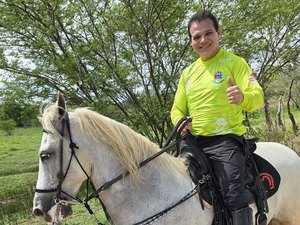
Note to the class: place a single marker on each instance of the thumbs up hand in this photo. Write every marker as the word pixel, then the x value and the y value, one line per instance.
pixel 234 94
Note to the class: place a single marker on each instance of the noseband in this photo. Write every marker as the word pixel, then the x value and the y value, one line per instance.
pixel 61 175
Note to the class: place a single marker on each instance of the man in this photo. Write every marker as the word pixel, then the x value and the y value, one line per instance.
pixel 214 90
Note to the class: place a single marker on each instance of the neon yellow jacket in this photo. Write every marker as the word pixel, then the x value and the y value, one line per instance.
pixel 202 95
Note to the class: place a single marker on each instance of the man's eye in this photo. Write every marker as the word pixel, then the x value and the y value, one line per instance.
pixel 197 37
pixel 45 156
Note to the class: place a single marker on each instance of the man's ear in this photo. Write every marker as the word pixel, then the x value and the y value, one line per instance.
pixel 219 33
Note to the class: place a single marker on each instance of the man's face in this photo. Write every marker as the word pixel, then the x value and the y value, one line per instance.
pixel 205 39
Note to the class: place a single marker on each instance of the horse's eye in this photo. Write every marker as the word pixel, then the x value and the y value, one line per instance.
pixel 45 156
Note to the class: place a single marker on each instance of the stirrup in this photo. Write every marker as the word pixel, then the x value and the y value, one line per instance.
pixel 261 219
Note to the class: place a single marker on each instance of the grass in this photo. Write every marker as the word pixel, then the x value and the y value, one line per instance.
pixel 18 173
pixel 80 216
pixel 18 152
pixel 16 196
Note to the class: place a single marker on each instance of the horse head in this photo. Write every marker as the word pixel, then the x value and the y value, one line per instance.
pixel 56 178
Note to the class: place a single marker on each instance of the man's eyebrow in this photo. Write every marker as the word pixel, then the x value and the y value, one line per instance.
pixel 200 33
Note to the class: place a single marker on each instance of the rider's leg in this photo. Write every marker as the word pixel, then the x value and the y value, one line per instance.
pixel 227 158
pixel 242 216
pixel 228 162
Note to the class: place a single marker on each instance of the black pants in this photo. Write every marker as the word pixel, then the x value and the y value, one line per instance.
pixel 226 155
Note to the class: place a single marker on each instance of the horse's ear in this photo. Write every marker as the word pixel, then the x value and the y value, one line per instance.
pixel 61 103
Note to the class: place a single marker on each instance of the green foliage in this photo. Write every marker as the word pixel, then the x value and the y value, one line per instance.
pixel 125 55
pixel 257 129
pixel 281 86
pixel 266 33
pixel 284 137
pixel 8 126
pixel 124 58
pixel 20 110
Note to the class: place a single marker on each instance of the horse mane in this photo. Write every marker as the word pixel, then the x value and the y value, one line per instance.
pixel 48 115
pixel 129 146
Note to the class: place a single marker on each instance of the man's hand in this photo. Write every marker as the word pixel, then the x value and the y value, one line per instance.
pixel 235 96
pixel 187 128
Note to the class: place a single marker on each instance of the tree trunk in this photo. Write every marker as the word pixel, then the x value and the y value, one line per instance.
pixel 296 104
pixel 280 116
pixel 291 116
pixel 268 118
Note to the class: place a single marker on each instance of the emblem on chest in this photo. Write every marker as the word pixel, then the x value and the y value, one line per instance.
pixel 218 78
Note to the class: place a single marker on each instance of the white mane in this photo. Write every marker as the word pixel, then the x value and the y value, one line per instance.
pixel 130 147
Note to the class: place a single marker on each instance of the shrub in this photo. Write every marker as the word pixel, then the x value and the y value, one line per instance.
pixel 8 126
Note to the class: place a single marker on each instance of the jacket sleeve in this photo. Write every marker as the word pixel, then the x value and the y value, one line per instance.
pixel 179 108
pixel 252 91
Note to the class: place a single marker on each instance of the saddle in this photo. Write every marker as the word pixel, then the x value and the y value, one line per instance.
pixel 261 179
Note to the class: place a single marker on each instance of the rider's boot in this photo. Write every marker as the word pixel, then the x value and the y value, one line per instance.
pixel 242 216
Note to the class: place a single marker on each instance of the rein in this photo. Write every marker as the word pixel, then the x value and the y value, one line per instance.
pixel 61 175
pixel 169 144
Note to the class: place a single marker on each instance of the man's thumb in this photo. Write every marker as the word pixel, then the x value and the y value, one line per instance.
pixel 230 82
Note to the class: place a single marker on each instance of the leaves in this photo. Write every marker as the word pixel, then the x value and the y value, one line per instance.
pixel 125 57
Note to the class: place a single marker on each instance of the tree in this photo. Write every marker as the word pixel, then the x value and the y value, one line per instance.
pixel 8 126
pixel 270 37
pixel 125 55
pixel 18 109
pixel 287 85
pixel 291 116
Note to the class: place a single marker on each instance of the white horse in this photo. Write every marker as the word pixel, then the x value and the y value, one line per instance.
pixel 108 148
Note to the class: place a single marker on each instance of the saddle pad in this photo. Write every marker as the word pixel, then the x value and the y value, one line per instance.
pixel 269 175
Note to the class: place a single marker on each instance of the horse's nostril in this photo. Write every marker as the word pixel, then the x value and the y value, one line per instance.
pixel 38 212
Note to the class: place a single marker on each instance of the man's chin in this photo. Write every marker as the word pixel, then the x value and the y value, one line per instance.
pixel 206 53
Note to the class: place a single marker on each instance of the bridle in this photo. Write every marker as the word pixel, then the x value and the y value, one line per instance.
pixel 65 123
pixel 61 175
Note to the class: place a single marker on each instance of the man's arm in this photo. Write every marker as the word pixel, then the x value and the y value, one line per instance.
pixel 179 108
pixel 253 96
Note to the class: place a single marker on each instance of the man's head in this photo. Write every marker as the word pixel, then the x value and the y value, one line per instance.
pixel 199 16
pixel 204 34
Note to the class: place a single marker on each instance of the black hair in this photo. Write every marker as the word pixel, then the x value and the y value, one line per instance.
pixel 199 16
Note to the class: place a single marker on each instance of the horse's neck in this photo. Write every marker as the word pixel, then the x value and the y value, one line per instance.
pixel 106 166
pixel 128 201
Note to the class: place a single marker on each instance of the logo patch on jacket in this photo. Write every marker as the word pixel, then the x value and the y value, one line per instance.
pixel 218 78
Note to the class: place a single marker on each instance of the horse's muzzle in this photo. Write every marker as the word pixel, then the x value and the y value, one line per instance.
pixel 40 213
pixel 50 211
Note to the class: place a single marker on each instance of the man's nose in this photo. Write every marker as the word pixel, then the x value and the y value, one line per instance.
pixel 203 39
